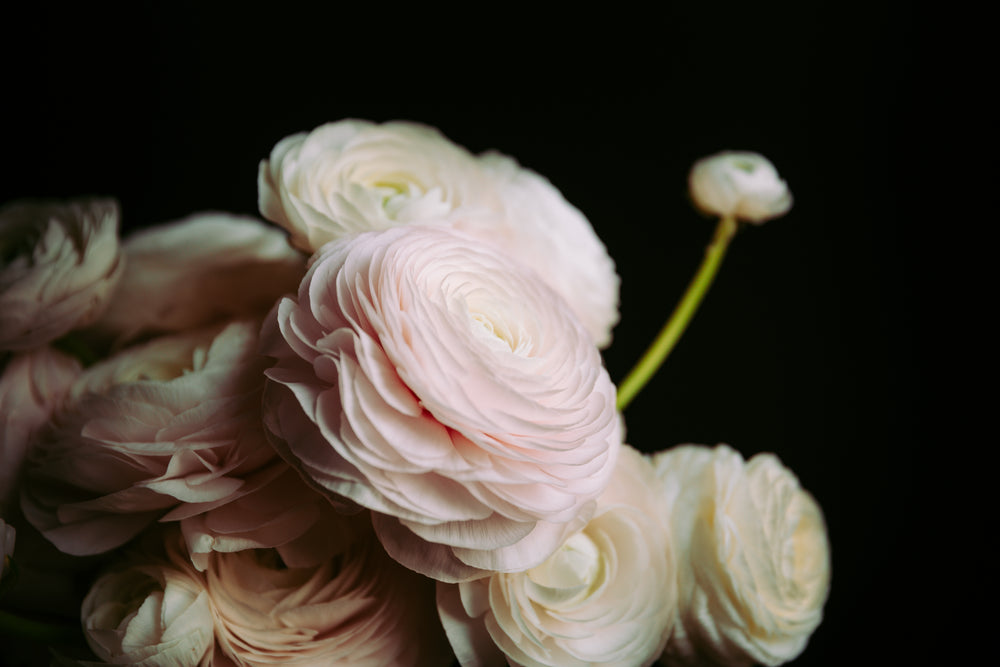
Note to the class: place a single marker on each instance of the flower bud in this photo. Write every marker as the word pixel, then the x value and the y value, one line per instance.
pixel 739 184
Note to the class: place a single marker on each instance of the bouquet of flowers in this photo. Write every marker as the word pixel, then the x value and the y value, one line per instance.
pixel 374 428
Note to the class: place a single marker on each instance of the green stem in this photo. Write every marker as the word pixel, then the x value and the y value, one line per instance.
pixel 26 628
pixel 671 332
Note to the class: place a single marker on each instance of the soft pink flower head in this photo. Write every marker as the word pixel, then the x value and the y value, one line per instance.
pixel 169 430
pixel 60 264
pixel 360 608
pixel 607 597
pixel 429 378
pixel 353 176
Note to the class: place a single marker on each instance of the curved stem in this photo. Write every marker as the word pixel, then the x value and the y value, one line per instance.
pixel 671 332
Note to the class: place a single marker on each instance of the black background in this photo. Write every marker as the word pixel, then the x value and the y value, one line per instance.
pixel 808 344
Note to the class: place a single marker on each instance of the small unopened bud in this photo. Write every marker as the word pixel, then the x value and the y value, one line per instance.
pixel 742 185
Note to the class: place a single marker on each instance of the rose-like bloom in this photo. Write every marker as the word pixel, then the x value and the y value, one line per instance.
pixel 753 553
pixel 32 385
pixel 60 264
pixel 352 176
pixel 423 376
pixel 606 597
pixel 359 608
pixel 150 613
pixel 207 268
pixel 739 184
pixel 7 535
pixel 169 430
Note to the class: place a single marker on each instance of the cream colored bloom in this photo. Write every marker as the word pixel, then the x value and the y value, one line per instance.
pixel 739 184
pixel 606 597
pixel 206 268
pixel 353 176
pixel 60 264
pixel 360 609
pixel 753 554
pixel 419 374
pixel 150 613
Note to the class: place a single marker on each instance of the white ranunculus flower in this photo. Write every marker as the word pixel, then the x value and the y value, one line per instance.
pixel 754 561
pixel 32 385
pixel 206 268
pixel 420 374
pixel 150 613
pixel 360 608
pixel 739 184
pixel 169 430
pixel 606 597
pixel 60 264
pixel 7 536
pixel 353 176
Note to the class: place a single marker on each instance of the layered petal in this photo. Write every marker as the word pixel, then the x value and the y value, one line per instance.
pixel 32 386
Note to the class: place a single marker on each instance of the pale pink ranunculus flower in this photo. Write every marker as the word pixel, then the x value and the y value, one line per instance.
pixel 420 374
pixel 169 430
pixel 606 597
pixel 151 611
pixel 206 268
pixel 360 608
pixel 753 557
pixel 32 386
pixel 60 265
pixel 352 176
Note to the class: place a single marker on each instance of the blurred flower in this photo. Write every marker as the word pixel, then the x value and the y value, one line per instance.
pixel 7 535
pixel 353 176
pixel 360 608
pixel 32 385
pixel 169 430
pixel 754 566
pixel 423 376
pixel 150 613
pixel 206 268
pixel 606 597
pixel 60 264
pixel 739 184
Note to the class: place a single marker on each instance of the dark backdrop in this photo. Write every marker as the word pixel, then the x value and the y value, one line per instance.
pixel 807 345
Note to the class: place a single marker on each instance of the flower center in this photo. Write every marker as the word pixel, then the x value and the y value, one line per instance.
pixel 577 564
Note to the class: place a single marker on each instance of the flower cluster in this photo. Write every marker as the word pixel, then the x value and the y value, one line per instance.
pixel 375 428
